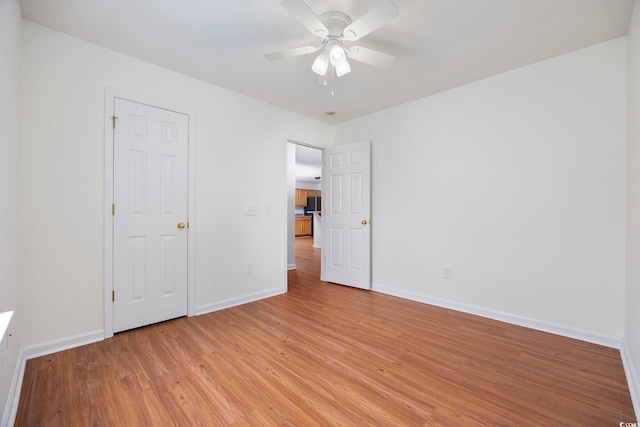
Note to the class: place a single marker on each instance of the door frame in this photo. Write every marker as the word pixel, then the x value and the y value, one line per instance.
pixel 110 95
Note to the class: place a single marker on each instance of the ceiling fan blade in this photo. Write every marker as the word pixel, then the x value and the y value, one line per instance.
pixel 305 15
pixel 370 56
pixel 378 16
pixel 288 53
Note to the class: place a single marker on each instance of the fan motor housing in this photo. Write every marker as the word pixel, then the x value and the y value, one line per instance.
pixel 335 22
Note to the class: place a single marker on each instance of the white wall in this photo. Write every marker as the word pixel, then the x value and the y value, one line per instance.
pixel 632 319
pixel 308 185
pixel 516 182
pixel 240 160
pixel 10 23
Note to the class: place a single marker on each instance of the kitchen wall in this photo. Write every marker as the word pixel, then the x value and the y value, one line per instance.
pixel 632 319
pixel 62 182
pixel 517 183
pixel 10 23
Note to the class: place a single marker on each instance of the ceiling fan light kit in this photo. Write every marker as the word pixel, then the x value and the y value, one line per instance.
pixel 335 27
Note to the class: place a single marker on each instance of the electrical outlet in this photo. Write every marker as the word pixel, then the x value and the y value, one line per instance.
pixel 447 272
pixel 252 210
pixel 249 268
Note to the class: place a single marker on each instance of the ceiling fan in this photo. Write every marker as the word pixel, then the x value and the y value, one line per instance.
pixel 335 28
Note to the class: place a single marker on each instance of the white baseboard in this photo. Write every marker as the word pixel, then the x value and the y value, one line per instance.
pixel 588 336
pixel 37 350
pixel 632 378
pixel 292 267
pixel 54 346
pixel 233 302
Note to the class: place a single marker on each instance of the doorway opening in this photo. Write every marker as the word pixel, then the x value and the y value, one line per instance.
pixel 345 216
pixel 304 225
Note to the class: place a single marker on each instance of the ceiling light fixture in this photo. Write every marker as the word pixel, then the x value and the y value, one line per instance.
pixel 335 55
pixel 338 58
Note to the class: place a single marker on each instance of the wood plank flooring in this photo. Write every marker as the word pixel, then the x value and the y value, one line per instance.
pixel 328 355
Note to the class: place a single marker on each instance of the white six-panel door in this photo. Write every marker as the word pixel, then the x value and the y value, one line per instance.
pixel 346 214
pixel 150 215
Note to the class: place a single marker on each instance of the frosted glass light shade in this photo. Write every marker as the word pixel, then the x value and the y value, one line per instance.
pixel 343 69
pixel 337 55
pixel 321 64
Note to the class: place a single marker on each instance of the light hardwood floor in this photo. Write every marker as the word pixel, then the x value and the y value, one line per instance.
pixel 327 355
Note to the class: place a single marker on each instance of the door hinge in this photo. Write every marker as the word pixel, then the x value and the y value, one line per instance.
pixel 113 296
pixel 113 209
pixel 114 119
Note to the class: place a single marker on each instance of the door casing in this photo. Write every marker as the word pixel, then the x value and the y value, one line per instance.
pixel 110 96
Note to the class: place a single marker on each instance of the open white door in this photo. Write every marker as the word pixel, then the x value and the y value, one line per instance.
pixel 149 215
pixel 346 257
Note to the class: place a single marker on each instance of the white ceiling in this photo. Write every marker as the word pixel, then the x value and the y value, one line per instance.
pixel 438 44
pixel 308 164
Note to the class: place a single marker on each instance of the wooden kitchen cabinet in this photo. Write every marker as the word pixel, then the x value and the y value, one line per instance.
pixel 303 226
pixel 306 227
pixel 301 195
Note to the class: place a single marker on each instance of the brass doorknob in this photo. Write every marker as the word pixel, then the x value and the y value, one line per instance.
pixel 364 222
pixel 181 225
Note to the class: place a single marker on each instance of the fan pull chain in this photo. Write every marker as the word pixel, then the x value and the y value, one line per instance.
pixel 333 81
